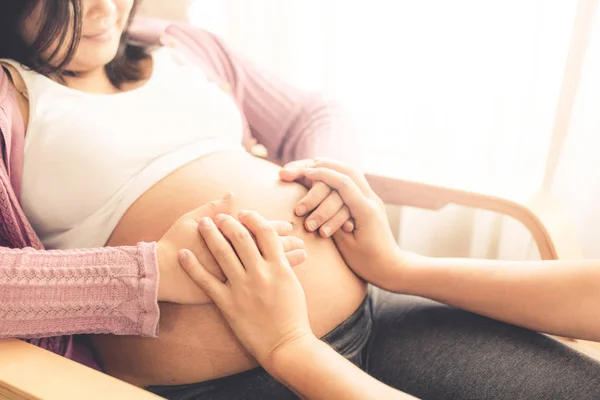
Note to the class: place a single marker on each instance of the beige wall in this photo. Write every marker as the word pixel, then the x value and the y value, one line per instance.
pixel 169 9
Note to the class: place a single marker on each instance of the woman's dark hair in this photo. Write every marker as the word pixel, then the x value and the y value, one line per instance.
pixel 59 20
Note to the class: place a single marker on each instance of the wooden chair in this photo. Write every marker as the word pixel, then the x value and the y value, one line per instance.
pixel 28 372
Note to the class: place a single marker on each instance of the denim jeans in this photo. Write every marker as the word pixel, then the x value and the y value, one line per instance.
pixel 431 351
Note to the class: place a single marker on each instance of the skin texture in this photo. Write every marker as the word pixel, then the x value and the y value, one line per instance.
pixel 556 297
pixel 370 242
pixel 195 343
pixel 322 206
pixel 263 302
pixel 175 286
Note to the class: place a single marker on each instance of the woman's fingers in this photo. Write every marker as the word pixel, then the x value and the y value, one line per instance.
pixel 299 164
pixel 240 239
pixel 268 241
pixel 296 257
pixel 290 174
pixel 336 222
pixel 315 196
pixel 294 250
pixel 348 226
pixel 249 253
pixel 354 174
pixel 291 243
pixel 325 211
pixel 214 288
pixel 221 250
pixel 351 194
pixel 294 171
pixel 225 205
pixel 282 228
pixel 205 257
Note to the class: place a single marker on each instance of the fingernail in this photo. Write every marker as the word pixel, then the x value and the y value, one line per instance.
pixel 327 231
pixel 183 256
pixel 204 222
pixel 243 213
pixel 311 225
pixel 228 196
pixel 220 217
pixel 300 210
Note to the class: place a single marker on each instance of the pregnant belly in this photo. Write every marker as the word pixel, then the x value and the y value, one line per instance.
pixel 194 343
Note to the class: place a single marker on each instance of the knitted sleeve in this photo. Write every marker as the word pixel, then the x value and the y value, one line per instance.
pixel 104 290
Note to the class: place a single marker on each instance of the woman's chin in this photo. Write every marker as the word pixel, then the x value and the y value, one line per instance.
pixel 98 56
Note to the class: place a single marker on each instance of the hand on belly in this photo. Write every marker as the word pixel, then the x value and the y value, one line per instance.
pixel 195 343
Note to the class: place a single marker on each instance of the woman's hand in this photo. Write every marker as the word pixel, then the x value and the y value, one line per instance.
pixel 370 249
pixel 262 300
pixel 174 284
pixel 323 205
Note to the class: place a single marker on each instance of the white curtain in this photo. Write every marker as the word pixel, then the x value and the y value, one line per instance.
pixel 455 92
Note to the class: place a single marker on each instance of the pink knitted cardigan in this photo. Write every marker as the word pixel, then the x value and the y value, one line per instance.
pixel 48 296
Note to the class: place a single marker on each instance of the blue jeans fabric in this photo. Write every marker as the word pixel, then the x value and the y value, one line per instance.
pixel 431 351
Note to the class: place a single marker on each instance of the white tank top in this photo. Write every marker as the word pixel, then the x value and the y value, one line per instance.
pixel 88 157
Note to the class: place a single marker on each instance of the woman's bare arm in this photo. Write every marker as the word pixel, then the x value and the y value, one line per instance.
pixel 315 371
pixel 556 297
pixel 264 304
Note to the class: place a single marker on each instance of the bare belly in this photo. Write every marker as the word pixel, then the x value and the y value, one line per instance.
pixel 195 344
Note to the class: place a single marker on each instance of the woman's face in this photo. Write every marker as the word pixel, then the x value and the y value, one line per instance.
pixel 103 23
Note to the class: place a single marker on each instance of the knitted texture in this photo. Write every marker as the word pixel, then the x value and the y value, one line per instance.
pixel 49 293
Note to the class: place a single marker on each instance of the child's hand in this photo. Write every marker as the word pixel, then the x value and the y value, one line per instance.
pixel 324 208
pixel 262 299
pixel 369 249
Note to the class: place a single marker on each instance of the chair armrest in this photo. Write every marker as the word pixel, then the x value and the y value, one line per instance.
pixel 540 213
pixel 29 372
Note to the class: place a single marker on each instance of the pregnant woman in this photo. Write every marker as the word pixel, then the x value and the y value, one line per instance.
pixel 123 140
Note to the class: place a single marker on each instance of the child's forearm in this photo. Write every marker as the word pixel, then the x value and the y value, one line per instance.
pixel 556 297
pixel 314 371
